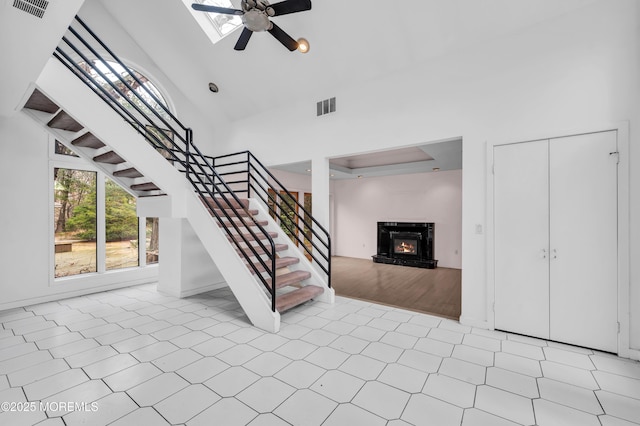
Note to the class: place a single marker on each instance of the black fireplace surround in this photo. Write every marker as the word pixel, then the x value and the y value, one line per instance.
pixel 406 243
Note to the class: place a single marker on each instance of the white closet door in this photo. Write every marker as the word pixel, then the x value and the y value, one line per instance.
pixel 583 240
pixel 521 224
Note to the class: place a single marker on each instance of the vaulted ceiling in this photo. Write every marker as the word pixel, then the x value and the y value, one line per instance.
pixel 351 41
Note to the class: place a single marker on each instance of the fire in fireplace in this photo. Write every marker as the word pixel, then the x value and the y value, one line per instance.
pixel 405 247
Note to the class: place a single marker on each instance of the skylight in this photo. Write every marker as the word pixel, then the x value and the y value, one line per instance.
pixel 215 25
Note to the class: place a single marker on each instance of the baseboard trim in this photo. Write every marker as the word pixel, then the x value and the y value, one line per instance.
pixel 74 293
pixel 630 353
pixel 193 291
pixel 203 289
pixel 475 323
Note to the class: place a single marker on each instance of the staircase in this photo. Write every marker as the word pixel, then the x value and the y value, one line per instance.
pixel 267 271
pixel 289 281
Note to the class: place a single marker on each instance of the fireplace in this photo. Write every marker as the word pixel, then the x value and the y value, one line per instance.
pixel 406 243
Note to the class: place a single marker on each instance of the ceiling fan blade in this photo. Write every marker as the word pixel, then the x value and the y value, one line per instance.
pixel 283 37
pixel 215 9
pixel 290 6
pixel 244 39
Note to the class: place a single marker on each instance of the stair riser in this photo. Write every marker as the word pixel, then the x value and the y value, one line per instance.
pixel 282 262
pixel 292 299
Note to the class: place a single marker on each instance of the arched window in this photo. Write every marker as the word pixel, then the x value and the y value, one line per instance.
pixel 95 225
pixel 147 90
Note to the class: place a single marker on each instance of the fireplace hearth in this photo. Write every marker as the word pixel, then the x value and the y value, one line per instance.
pixel 406 243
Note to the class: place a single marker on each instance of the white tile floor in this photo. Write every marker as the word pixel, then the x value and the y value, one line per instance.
pixel 144 358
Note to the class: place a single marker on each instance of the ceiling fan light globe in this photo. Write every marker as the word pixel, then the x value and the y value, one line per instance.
pixel 303 45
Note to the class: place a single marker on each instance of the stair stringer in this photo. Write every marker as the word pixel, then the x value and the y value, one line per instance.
pixel 245 287
pixel 71 95
pixel 317 278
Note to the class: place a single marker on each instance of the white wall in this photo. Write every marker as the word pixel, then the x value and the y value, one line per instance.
pixel 24 248
pixel 26 192
pixel 578 72
pixel 188 268
pixel 419 197
pixel 26 43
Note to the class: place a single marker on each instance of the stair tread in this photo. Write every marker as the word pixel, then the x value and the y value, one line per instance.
pixel 152 195
pixel 250 237
pixel 231 212
pixel 297 297
pixel 109 158
pixel 88 140
pixel 129 173
pixel 289 278
pixel 248 223
pixel 39 102
pixel 147 186
pixel 260 250
pixel 281 262
pixel 64 121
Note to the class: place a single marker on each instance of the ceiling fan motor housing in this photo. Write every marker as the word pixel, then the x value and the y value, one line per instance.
pixel 256 20
pixel 255 16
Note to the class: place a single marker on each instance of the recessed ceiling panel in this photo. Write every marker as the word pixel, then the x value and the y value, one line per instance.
pixel 383 158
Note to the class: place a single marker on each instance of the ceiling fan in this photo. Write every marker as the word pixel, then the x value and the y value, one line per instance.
pixel 255 15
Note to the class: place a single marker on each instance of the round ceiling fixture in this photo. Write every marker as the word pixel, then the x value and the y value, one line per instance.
pixel 213 87
pixel 303 45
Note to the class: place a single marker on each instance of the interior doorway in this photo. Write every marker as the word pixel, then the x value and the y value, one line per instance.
pixel 421 183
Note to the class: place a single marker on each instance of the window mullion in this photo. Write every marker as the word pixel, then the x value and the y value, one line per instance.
pixel 100 224
pixel 142 238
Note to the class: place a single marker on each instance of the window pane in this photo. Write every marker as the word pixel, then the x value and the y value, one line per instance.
pixel 288 214
pixel 271 202
pixel 121 227
pixel 162 141
pixel 74 222
pixel 153 233
pixel 60 149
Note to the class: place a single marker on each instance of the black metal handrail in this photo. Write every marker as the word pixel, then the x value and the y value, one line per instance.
pixel 166 133
pixel 254 179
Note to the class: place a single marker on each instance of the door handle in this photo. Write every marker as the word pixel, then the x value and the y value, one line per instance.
pixel 543 254
pixel 554 254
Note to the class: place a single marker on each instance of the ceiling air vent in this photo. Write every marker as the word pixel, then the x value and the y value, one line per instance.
pixel 33 7
pixel 326 106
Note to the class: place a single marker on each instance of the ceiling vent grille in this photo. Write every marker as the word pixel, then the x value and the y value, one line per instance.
pixel 33 7
pixel 325 107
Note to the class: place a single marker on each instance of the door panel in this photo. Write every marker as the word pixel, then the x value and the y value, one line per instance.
pixel 521 223
pixel 583 240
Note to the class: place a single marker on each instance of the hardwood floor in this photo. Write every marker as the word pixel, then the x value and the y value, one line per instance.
pixel 434 291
